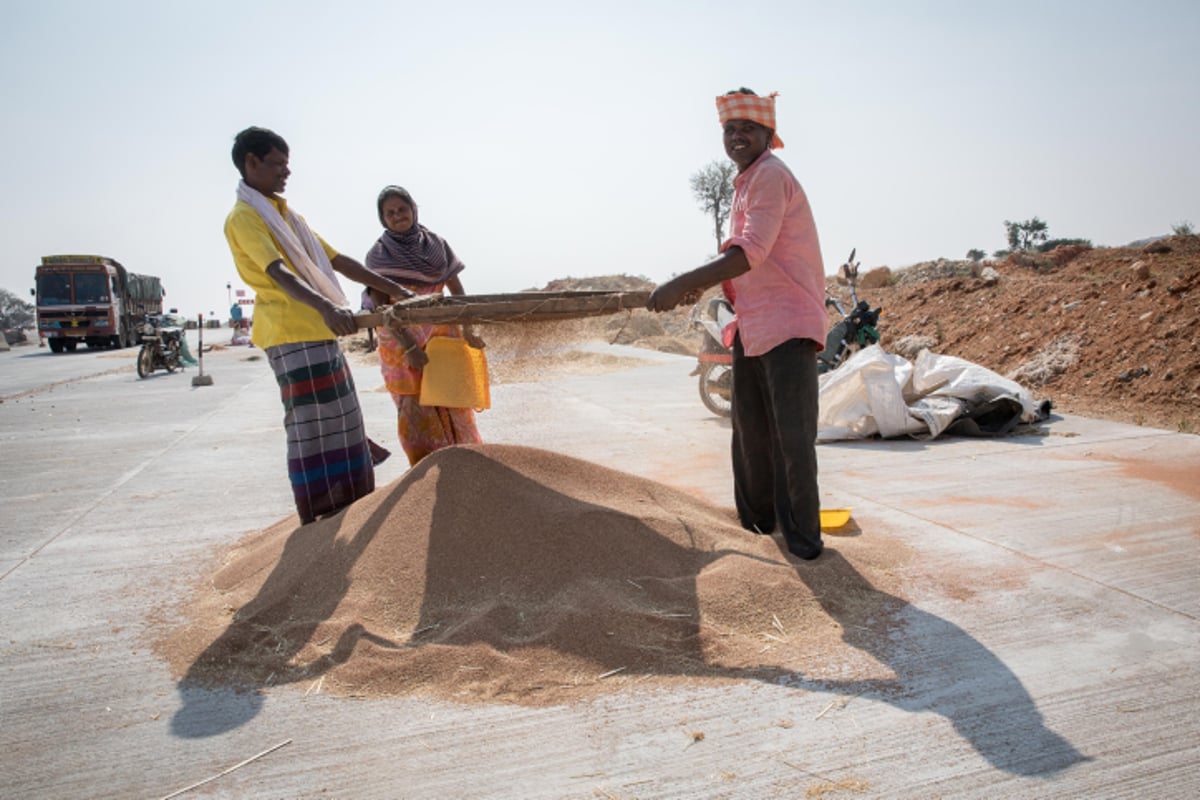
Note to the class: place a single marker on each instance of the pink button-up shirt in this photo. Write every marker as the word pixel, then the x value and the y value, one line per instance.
pixel 782 296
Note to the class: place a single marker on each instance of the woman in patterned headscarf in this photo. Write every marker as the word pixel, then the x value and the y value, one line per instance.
pixel 420 260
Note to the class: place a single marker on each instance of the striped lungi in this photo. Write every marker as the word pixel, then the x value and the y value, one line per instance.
pixel 329 461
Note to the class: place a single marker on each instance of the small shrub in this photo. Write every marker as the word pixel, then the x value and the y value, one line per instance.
pixel 1046 247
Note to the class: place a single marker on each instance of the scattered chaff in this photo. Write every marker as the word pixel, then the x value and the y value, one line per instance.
pixel 56 645
pixel 426 629
pixel 778 625
pixel 610 673
pixel 838 702
pixel 635 585
pixel 810 773
pixel 844 785
pixel 624 324
pixel 315 686
pixel 826 710
pixel 198 784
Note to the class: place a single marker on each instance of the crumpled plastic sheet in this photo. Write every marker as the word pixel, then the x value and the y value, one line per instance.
pixel 876 393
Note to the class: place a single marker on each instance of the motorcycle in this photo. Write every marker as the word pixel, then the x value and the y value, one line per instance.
pixel 857 329
pixel 715 360
pixel 162 346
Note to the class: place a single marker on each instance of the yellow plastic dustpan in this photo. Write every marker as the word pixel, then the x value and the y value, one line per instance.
pixel 832 518
pixel 456 375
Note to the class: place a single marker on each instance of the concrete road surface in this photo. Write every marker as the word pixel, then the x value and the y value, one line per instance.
pixel 1069 666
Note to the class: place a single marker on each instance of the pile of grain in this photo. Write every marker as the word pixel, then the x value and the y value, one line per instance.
pixel 500 573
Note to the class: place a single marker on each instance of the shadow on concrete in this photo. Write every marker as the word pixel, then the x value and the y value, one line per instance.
pixel 1034 435
pixel 940 668
pixel 219 694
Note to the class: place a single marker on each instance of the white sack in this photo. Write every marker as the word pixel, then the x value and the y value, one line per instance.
pixel 880 393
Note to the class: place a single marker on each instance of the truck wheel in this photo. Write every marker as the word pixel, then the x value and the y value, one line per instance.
pixel 70 345
pixel 56 345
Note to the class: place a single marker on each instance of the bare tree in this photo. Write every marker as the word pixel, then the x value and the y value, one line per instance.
pixel 713 189
pixel 14 312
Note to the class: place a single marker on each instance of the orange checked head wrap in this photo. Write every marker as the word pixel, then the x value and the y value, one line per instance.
pixel 744 104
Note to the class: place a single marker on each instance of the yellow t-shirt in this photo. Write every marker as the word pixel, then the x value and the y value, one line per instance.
pixel 278 319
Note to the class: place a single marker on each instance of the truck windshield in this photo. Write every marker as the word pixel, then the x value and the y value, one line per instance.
pixel 54 290
pixel 91 288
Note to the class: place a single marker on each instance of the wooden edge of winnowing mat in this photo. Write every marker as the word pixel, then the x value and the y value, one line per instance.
pixel 514 307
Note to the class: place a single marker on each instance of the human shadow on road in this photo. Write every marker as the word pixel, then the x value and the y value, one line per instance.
pixel 939 667
pixel 222 688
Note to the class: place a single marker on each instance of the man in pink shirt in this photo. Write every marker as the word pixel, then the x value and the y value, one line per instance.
pixel 771 270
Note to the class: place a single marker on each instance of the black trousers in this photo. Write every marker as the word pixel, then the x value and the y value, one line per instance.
pixel 775 409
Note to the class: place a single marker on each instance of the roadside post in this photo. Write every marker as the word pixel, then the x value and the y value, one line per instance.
pixel 201 379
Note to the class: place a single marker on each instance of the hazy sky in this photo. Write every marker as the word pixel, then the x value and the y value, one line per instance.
pixel 556 139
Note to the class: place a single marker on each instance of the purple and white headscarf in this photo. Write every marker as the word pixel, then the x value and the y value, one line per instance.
pixel 418 256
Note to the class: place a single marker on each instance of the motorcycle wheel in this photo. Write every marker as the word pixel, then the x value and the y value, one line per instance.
pixel 145 362
pixel 716 388
pixel 172 359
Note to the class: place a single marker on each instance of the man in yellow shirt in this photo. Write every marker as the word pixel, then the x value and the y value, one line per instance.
pixel 299 311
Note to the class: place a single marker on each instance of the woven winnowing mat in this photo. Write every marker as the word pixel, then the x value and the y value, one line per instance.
pixel 518 307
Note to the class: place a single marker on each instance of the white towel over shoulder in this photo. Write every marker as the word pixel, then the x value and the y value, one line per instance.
pixel 299 244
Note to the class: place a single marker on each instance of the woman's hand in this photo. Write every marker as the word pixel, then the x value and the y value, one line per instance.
pixel 397 292
pixel 417 357
pixel 473 338
pixel 414 351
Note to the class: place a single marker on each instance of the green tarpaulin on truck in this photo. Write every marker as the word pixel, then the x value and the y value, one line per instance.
pixel 144 287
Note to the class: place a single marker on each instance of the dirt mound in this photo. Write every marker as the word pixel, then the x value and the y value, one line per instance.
pixel 1112 333
pixel 600 283
pixel 500 573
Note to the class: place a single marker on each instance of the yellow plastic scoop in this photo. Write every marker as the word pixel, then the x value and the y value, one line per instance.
pixel 832 518
pixel 456 375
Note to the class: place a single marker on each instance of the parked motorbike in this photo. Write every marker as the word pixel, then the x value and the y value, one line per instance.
pixel 715 360
pixel 856 329
pixel 162 346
